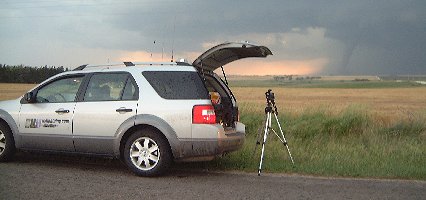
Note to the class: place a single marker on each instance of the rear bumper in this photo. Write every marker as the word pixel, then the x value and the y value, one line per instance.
pixel 230 141
pixel 210 141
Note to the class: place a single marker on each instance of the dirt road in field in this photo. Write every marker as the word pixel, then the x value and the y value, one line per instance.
pixel 64 177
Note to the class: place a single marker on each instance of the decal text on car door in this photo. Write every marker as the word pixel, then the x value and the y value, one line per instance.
pixel 47 123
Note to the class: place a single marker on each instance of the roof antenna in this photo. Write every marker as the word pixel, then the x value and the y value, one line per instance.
pixel 173 40
pixel 152 49
pixel 162 45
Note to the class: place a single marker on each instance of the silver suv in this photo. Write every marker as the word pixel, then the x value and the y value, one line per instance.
pixel 147 114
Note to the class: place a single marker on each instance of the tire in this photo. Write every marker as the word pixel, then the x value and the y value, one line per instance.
pixel 7 144
pixel 147 153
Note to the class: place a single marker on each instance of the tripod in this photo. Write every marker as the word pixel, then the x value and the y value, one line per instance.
pixel 270 109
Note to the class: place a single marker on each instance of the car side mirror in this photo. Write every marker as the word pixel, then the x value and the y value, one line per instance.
pixel 29 97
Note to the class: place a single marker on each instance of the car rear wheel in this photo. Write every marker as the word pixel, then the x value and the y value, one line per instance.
pixel 147 153
pixel 7 147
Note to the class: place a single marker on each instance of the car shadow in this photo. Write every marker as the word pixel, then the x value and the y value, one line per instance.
pixel 110 165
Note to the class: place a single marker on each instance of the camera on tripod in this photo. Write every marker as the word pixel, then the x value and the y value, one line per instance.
pixel 270 110
pixel 270 102
pixel 270 96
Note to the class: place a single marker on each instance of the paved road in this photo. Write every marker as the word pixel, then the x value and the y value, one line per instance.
pixel 65 177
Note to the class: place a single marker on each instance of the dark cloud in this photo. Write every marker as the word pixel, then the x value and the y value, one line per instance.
pixel 393 30
pixel 359 37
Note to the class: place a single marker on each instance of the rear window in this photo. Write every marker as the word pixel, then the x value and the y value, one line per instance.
pixel 177 84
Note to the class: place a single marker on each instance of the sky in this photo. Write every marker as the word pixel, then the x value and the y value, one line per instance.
pixel 317 37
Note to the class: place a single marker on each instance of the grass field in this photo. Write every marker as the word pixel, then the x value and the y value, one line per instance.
pixel 332 131
pixel 336 129
pixel 339 132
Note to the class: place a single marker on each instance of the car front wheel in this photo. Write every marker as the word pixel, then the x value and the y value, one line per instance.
pixel 7 147
pixel 147 153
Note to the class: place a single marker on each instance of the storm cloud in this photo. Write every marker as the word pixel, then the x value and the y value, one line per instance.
pixel 345 37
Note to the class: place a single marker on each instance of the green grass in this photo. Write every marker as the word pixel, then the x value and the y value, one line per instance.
pixel 323 84
pixel 348 144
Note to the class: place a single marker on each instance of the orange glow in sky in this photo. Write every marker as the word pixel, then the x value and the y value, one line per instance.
pixel 261 66
pixel 143 56
pixel 250 66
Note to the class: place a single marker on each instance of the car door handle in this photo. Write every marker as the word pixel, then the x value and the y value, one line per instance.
pixel 122 109
pixel 62 111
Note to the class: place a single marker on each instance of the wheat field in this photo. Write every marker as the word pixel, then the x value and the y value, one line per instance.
pixel 13 91
pixel 384 104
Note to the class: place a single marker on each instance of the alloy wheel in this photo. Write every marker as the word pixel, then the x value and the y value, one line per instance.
pixel 144 153
pixel 2 142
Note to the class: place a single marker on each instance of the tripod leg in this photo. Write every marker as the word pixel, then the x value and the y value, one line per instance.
pixel 279 137
pixel 284 141
pixel 259 134
pixel 265 136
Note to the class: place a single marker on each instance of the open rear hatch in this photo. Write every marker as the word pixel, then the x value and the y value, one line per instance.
pixel 225 105
pixel 225 53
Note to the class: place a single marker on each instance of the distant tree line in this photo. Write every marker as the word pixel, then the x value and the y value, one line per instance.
pixel 294 77
pixel 27 74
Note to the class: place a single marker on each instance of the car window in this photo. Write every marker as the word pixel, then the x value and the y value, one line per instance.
pixel 59 91
pixel 105 87
pixel 177 84
pixel 130 91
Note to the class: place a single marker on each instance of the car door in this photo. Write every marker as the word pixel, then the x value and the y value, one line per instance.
pixel 108 101
pixel 45 122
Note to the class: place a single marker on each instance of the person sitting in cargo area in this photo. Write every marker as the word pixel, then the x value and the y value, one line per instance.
pixel 215 97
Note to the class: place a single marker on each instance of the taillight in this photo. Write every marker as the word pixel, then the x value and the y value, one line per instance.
pixel 203 114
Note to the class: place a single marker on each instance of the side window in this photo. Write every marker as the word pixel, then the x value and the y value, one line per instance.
pixel 130 92
pixel 105 87
pixel 59 91
pixel 177 84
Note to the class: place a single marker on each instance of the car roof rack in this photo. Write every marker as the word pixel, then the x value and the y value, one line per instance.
pixel 130 64
pixel 81 67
